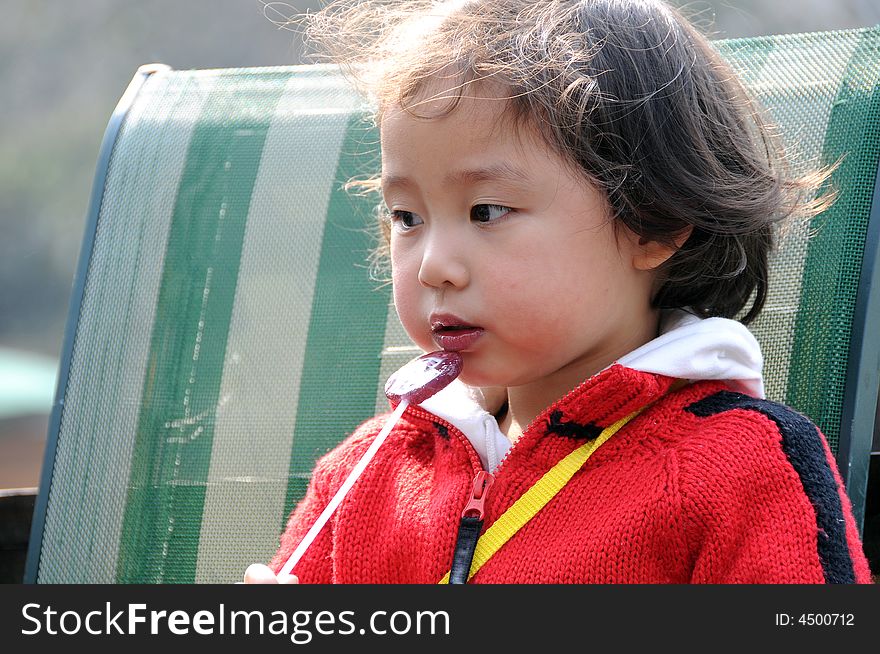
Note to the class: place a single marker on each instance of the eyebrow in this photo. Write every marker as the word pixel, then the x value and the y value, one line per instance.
pixel 500 172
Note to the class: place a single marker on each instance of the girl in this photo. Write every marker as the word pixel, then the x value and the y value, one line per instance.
pixel 580 201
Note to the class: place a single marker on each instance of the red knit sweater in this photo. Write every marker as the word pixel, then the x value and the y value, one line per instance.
pixel 705 486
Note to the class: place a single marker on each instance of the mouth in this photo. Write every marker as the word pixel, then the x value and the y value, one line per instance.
pixel 454 334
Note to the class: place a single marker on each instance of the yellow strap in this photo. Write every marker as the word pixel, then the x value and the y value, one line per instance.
pixel 534 499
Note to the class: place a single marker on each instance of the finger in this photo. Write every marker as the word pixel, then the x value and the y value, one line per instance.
pixel 257 573
pixel 287 579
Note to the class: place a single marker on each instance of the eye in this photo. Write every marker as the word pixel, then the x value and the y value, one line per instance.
pixel 405 220
pixel 487 213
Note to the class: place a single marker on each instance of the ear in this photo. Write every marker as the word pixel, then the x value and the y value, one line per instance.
pixel 649 255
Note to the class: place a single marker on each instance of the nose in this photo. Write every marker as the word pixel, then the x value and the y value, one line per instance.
pixel 444 262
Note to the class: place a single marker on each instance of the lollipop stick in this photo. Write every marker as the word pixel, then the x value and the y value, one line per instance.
pixel 343 490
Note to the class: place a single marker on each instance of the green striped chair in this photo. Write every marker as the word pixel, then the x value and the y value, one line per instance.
pixel 225 331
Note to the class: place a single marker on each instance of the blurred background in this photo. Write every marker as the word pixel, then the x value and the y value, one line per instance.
pixel 63 66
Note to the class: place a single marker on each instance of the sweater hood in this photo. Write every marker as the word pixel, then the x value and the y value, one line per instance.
pixel 694 348
pixel 688 347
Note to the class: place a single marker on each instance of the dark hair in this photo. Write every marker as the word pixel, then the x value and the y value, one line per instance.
pixel 631 94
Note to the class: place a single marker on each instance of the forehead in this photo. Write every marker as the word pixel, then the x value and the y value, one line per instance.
pixel 468 146
pixel 472 123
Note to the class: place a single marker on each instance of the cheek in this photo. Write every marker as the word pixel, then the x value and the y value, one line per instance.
pixel 407 294
pixel 532 278
pixel 403 293
pixel 553 291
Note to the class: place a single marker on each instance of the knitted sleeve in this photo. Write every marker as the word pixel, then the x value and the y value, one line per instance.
pixel 316 565
pixel 762 498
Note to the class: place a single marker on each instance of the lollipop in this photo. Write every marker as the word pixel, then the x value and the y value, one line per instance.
pixel 413 383
pixel 421 378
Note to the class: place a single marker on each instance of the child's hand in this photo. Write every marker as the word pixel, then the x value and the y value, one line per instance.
pixel 257 573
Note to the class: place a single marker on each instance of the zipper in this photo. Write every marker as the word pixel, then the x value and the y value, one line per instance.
pixel 419 412
pixel 477 464
pixel 474 512
pixel 469 529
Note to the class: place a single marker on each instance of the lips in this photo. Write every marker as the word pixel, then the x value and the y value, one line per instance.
pixel 453 333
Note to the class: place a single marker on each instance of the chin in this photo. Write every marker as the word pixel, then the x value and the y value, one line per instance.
pixel 481 378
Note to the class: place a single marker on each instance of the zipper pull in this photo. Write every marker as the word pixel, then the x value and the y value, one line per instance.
pixel 476 506
pixel 469 529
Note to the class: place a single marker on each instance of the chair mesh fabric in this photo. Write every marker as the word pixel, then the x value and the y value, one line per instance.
pixel 230 333
pixel 822 91
pixel 226 288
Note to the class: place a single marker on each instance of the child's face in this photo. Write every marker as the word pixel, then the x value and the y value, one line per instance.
pixel 492 232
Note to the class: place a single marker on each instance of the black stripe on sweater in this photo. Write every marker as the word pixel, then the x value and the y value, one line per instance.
pixel 571 429
pixel 803 447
